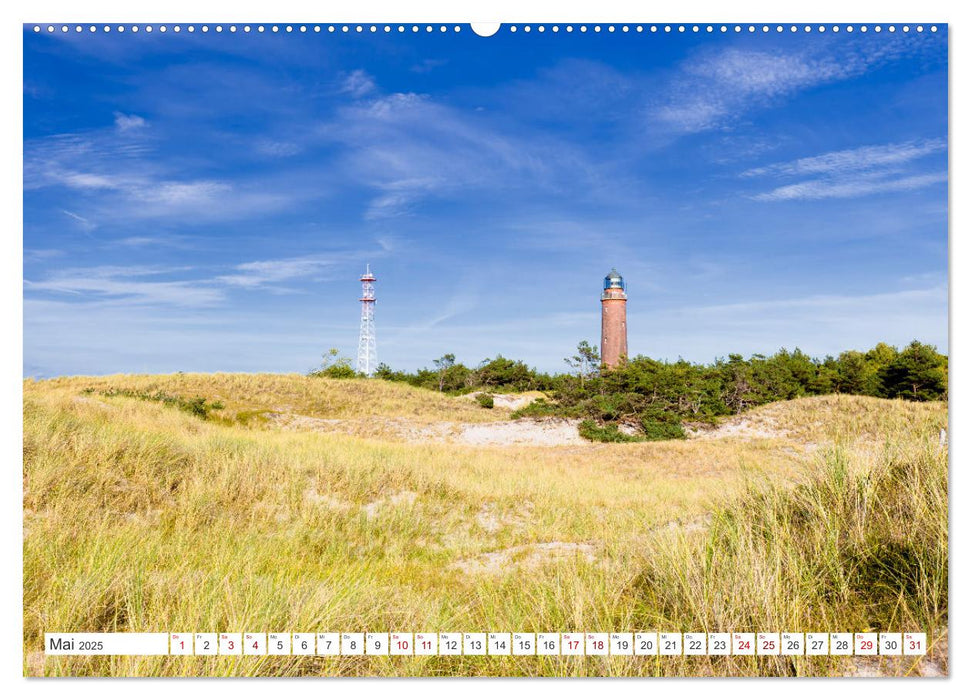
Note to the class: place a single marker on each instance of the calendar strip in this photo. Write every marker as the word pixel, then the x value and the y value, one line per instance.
pixel 487 644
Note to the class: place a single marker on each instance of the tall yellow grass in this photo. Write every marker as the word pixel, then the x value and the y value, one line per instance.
pixel 292 393
pixel 139 517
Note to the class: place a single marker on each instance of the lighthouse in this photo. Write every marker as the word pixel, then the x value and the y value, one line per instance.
pixel 613 320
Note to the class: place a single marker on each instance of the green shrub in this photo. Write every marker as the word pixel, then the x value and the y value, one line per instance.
pixel 485 400
pixel 655 425
pixel 661 425
pixel 336 367
pixel 249 418
pixel 337 371
pixel 541 408
pixel 198 406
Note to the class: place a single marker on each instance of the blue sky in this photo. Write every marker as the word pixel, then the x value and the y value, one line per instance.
pixel 206 202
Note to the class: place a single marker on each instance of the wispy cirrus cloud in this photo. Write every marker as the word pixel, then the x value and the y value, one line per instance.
pixel 91 162
pixel 128 285
pixel 153 241
pixel 409 147
pixel 118 176
pixel 276 148
pixel 428 64
pixel 265 273
pixel 259 273
pixel 712 89
pixel 84 224
pixel 864 158
pixel 176 286
pixel 41 254
pixel 855 172
pixel 850 187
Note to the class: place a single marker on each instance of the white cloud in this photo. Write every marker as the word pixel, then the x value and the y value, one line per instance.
pixel 844 188
pixel 41 254
pixel 119 180
pixel 854 159
pixel 854 172
pixel 137 241
pixel 128 285
pixel 262 272
pixel 129 122
pixel 357 84
pixel 712 89
pixel 160 241
pixel 400 194
pixel 428 64
pixel 83 223
pixel 277 149
pixel 86 181
pixel 181 194
pixel 408 148
pixel 138 186
pixel 141 284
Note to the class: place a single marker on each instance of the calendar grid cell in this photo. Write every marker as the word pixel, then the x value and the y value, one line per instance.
pixel 694 644
pixel 524 644
pixel 645 644
pixel 450 643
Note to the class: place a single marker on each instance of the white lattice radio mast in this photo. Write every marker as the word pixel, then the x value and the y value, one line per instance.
pixel 367 344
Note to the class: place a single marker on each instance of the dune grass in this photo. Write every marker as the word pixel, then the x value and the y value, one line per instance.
pixel 141 517
pixel 244 395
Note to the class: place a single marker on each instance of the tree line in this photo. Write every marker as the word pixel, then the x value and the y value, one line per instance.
pixel 644 398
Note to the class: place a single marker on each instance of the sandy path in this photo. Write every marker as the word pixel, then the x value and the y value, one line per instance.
pixel 546 432
pixel 525 431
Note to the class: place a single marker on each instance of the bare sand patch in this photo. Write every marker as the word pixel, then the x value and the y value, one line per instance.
pixel 546 432
pixel 525 431
pixel 510 401
pixel 490 519
pixel 326 500
pixel 295 421
pixel 372 509
pixel 744 427
pixel 892 667
pixel 931 669
pixel 396 499
pixel 526 556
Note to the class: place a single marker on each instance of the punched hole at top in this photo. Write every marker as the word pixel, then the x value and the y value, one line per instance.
pixel 485 28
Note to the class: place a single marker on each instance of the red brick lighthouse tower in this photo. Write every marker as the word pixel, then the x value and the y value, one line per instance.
pixel 613 335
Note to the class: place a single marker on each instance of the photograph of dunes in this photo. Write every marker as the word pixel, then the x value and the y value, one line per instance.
pixel 559 331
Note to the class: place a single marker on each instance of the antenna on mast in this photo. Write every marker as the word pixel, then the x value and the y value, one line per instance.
pixel 367 346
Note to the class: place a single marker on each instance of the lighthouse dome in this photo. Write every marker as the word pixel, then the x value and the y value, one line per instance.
pixel 614 280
